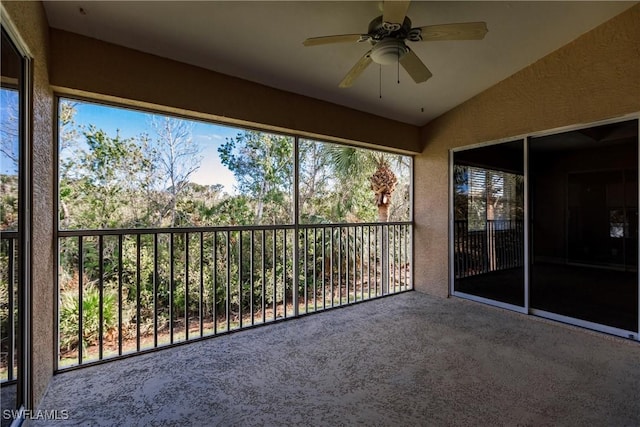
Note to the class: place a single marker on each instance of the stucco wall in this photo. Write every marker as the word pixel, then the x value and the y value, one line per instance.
pixel 81 64
pixel 595 77
pixel 30 21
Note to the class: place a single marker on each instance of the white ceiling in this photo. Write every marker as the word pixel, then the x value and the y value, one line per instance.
pixel 261 41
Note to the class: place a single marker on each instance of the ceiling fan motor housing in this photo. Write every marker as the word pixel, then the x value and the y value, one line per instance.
pixel 388 40
pixel 378 29
pixel 388 51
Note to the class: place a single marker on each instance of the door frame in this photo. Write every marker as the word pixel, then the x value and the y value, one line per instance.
pixel 24 395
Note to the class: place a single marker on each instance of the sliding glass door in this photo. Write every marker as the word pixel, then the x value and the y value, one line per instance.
pixel 584 228
pixel 488 222
pixel 548 225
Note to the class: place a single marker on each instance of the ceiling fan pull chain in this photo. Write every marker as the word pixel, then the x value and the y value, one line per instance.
pixel 380 80
pixel 398 63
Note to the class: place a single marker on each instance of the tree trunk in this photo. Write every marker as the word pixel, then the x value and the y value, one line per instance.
pixel 383 213
pixel 383 216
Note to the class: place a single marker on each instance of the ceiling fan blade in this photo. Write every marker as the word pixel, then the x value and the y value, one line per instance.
pixel 464 31
pixel 357 69
pixel 395 11
pixel 415 67
pixel 342 38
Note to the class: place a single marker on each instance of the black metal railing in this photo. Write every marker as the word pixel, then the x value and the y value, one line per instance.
pixel 129 291
pixel 8 305
pixel 499 245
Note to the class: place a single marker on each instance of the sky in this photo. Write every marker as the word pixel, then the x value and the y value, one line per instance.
pixel 9 131
pixel 132 123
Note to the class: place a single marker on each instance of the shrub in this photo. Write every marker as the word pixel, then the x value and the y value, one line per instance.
pixel 70 314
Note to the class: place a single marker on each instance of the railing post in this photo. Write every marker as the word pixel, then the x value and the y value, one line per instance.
pixel 296 225
pixel 80 296
pixel 384 236
pixel 11 327
pixel 100 297
pixel 296 268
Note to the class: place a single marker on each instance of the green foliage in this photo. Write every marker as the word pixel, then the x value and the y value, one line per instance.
pixel 8 202
pixel 235 211
pixel 315 183
pixel 263 166
pixel 70 313
pixel 335 183
pixel 5 311
pixel 96 180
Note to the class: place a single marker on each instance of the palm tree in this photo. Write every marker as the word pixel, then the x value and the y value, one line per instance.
pixel 383 184
pixel 349 161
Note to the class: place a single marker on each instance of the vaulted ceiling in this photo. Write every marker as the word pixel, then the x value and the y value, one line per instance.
pixel 261 41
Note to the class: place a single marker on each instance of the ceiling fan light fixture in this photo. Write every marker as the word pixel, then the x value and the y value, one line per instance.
pixel 388 51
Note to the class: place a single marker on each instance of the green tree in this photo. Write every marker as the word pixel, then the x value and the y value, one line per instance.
pixel 198 204
pixel 263 167
pixel 315 183
pixel 96 178
pixel 8 202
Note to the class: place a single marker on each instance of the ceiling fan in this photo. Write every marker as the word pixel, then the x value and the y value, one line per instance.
pixel 387 35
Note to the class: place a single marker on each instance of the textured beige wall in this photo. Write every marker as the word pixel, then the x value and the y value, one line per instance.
pixel 30 21
pixel 89 65
pixel 595 77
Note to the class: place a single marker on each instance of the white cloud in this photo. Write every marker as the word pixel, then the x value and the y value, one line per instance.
pixel 209 137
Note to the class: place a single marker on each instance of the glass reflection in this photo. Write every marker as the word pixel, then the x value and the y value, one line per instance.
pixel 584 204
pixel 489 222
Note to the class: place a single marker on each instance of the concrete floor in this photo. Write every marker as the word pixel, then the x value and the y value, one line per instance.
pixel 409 359
pixel 7 401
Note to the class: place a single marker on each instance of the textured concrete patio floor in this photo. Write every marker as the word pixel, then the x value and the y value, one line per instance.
pixel 409 359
